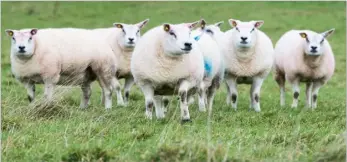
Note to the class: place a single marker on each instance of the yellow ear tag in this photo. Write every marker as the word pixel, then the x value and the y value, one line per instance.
pixel 119 26
pixel 166 28
pixel 303 35
pixel 234 23
pixel 10 33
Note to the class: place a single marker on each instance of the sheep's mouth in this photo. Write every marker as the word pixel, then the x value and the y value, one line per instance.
pixel 314 51
pixel 244 42
pixel 186 49
pixel 22 51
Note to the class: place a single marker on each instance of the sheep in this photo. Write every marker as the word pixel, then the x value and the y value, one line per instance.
pixel 248 57
pixel 303 56
pixel 165 58
pixel 213 64
pixel 122 38
pixel 64 56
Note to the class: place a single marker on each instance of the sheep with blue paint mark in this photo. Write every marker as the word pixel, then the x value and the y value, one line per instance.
pixel 212 65
pixel 167 61
pixel 249 57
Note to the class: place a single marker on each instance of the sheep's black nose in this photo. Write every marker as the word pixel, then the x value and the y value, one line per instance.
pixel 244 38
pixel 188 45
pixel 131 39
pixel 21 47
pixel 314 47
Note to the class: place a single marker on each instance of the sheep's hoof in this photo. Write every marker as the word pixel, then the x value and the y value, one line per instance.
pixel 186 121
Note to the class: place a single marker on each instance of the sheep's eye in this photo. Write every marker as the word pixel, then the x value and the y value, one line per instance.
pixel 237 29
pixel 209 31
pixel 308 41
pixel 322 41
pixel 252 30
pixel 30 38
pixel 123 30
pixel 137 31
pixel 172 33
pixel 13 38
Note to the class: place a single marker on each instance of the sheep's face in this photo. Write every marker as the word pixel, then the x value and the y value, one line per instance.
pixel 211 29
pixel 244 34
pixel 23 43
pixel 177 38
pixel 130 33
pixel 314 45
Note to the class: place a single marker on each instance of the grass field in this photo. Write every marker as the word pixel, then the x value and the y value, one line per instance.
pixel 63 132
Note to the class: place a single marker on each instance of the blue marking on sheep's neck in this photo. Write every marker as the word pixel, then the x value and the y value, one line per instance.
pixel 207 61
pixel 207 66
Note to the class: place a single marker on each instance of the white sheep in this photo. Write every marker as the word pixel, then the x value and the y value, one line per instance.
pixel 248 58
pixel 303 56
pixel 122 39
pixel 167 61
pixel 63 56
pixel 213 64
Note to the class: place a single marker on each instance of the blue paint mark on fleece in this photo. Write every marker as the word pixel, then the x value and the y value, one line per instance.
pixel 207 66
pixel 197 37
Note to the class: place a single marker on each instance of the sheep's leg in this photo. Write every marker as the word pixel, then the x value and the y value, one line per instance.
pixel 148 91
pixel 117 89
pixel 49 89
pixel 232 84
pixel 183 93
pixel 86 93
pixel 129 82
pixel 30 86
pixel 158 104
pixel 280 79
pixel 210 96
pixel 308 94
pixel 296 92
pixel 202 96
pixel 228 98
pixel 165 103
pixel 107 91
pixel 255 93
pixel 315 89
pixel 102 97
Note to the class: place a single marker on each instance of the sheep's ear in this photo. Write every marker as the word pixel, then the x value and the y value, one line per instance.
pixel 193 24
pixel 303 35
pixel 218 24
pixel 9 32
pixel 326 34
pixel 258 23
pixel 232 22
pixel 118 25
pixel 166 27
pixel 202 23
pixel 142 23
pixel 33 31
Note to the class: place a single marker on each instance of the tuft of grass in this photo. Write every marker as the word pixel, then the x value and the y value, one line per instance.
pixel 87 155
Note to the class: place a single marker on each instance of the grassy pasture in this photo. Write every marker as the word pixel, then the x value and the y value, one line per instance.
pixel 63 132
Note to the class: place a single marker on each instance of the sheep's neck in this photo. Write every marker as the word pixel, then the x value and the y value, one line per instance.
pixel 312 61
pixel 244 54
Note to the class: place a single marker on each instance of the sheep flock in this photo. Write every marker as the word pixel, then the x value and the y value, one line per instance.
pixel 188 60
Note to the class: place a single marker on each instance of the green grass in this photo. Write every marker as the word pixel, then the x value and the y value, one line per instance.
pixel 64 132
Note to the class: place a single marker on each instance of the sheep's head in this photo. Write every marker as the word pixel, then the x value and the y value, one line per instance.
pixel 244 34
pixel 314 42
pixel 210 29
pixel 131 33
pixel 23 43
pixel 177 38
